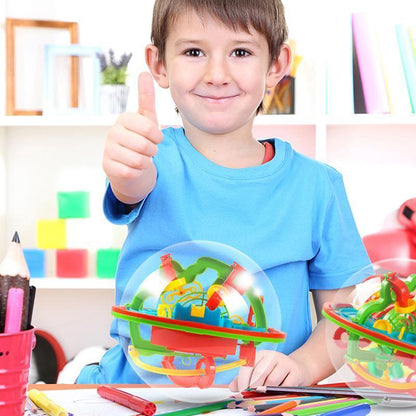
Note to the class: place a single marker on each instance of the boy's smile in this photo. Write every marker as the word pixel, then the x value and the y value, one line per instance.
pixel 217 75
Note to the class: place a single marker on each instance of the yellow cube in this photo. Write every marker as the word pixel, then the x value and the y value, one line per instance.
pixel 51 234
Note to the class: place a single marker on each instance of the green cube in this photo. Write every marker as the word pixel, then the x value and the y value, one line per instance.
pixel 73 204
pixel 107 259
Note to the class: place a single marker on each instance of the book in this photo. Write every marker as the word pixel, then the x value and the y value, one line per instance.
pixel 408 61
pixel 369 64
pixel 359 104
pixel 397 92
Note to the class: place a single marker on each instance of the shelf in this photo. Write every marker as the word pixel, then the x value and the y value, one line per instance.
pixel 106 121
pixel 72 283
pixel 372 119
pixel 56 121
pixel 261 120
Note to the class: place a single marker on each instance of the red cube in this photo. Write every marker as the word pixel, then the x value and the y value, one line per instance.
pixel 72 263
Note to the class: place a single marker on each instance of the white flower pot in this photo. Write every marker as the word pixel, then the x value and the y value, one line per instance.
pixel 114 98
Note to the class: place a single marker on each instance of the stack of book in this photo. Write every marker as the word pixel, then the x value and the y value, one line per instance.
pixel 380 77
pixel 385 66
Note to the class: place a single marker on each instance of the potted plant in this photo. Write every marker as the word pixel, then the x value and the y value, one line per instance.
pixel 114 91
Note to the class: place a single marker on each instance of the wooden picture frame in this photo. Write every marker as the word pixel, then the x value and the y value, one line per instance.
pixel 11 49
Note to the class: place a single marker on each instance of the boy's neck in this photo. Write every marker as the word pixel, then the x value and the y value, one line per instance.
pixel 237 149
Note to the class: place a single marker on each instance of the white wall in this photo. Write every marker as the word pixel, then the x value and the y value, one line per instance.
pixel 123 26
pixel 77 318
pixel 44 160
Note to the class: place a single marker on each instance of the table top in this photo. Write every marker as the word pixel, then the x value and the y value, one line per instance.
pixel 66 393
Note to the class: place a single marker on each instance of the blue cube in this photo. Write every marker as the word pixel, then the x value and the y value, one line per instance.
pixel 35 259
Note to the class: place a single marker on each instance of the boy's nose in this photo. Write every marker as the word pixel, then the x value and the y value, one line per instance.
pixel 217 72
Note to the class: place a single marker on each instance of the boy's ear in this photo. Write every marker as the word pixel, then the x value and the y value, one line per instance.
pixel 279 67
pixel 156 66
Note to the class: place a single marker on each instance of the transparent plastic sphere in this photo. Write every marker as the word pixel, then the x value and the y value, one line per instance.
pixel 372 335
pixel 193 314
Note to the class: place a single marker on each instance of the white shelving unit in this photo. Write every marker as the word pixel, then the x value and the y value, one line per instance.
pixel 375 153
pixel 57 121
pixel 73 283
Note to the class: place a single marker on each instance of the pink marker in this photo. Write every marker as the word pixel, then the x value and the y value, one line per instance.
pixel 14 310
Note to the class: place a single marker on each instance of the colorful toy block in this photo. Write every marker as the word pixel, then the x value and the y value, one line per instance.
pixel 36 261
pixel 107 259
pixel 51 234
pixel 72 263
pixel 73 204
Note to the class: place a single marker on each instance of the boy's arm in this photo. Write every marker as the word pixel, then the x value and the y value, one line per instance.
pixel 305 366
pixel 316 353
pixel 131 143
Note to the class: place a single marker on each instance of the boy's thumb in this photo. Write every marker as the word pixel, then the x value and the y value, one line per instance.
pixel 147 96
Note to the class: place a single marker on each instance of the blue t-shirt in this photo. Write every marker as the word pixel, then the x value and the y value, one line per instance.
pixel 290 215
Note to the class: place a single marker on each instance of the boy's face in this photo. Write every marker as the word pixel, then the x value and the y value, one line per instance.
pixel 217 76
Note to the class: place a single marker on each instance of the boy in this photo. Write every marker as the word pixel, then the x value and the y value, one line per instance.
pixel 212 180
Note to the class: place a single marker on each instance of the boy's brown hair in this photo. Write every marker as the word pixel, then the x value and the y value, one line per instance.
pixel 265 16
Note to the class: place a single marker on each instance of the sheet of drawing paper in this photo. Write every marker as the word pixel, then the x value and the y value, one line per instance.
pixel 87 402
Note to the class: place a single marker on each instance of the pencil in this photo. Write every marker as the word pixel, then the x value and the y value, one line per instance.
pixel 199 409
pixel 265 399
pixel 325 402
pixel 361 409
pixel 32 295
pixel 282 407
pixel 259 406
pixel 14 273
pixel 358 392
pixel 327 407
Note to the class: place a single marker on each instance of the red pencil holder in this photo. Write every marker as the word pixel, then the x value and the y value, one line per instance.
pixel 15 353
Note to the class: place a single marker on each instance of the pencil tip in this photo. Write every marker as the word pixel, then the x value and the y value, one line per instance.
pixel 16 238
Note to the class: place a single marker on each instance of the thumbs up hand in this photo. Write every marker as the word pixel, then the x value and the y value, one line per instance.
pixel 130 145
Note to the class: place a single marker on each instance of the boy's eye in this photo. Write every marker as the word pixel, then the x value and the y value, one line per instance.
pixel 241 53
pixel 193 52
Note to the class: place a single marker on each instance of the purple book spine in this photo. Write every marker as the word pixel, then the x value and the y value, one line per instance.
pixel 370 65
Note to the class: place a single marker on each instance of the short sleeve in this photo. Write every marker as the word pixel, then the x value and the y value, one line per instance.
pixel 116 211
pixel 341 253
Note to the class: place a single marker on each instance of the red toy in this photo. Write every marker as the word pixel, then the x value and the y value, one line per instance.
pixel 398 243
pixel 407 214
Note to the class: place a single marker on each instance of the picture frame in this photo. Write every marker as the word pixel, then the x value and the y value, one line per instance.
pixel 53 79
pixel 20 59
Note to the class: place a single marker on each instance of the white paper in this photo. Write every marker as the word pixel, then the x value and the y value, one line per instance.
pixel 87 402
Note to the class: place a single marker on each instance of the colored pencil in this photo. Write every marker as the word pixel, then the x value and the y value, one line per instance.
pixel 326 408
pixel 265 399
pixel 359 392
pixel 325 402
pixel 361 409
pixel 14 274
pixel 199 409
pixel 32 295
pixel 281 407
pixel 259 407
